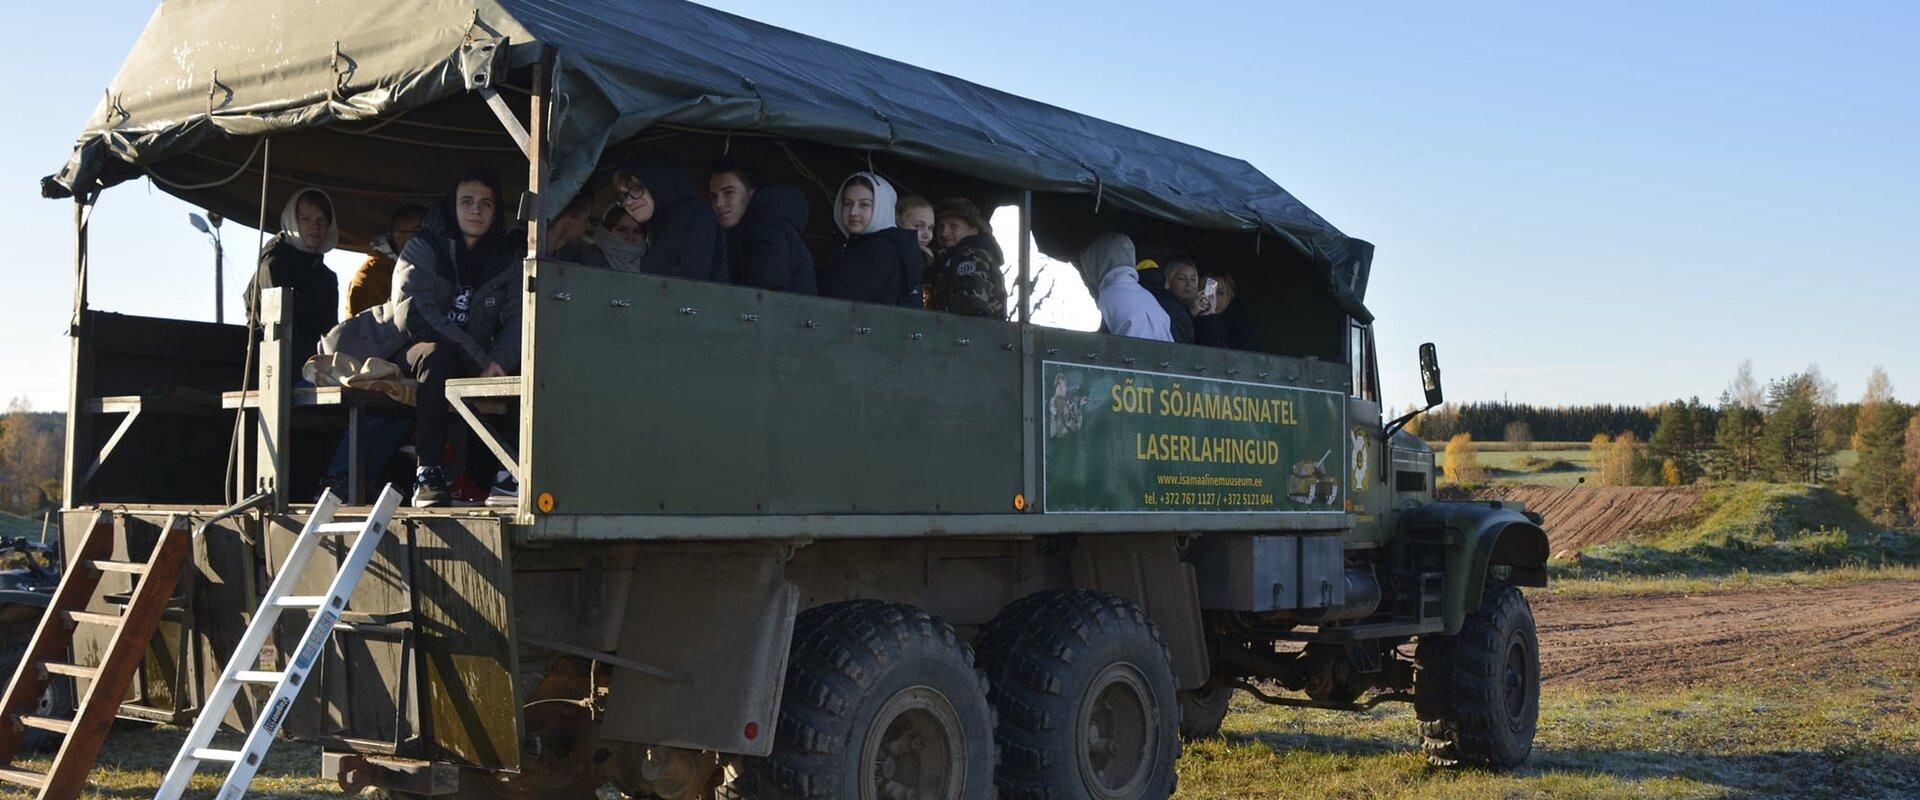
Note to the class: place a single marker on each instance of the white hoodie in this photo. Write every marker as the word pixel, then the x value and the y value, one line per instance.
pixel 884 200
pixel 290 223
pixel 1128 309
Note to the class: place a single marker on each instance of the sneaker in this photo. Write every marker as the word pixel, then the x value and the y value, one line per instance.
pixel 430 488
pixel 506 490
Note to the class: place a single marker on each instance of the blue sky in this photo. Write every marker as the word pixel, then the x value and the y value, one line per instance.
pixel 1611 202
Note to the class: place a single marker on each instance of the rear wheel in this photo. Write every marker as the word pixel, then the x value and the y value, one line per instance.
pixel 56 701
pixel 1478 693
pixel 1202 710
pixel 1086 698
pixel 882 702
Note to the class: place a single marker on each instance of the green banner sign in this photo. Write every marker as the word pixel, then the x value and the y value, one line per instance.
pixel 1129 441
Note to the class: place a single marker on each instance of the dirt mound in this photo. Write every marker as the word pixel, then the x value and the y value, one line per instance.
pixel 1787 633
pixel 1584 516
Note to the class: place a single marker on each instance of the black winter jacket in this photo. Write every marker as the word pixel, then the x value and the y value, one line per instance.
pixel 1179 319
pixel 1231 329
pixel 469 297
pixel 316 293
pixel 879 267
pixel 683 238
pixel 765 250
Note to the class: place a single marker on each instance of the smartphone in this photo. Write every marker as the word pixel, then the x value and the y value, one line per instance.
pixel 1208 291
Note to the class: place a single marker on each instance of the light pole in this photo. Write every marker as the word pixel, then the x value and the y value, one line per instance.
pixel 211 227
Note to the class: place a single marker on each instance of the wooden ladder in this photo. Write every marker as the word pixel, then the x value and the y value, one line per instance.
pixel 108 680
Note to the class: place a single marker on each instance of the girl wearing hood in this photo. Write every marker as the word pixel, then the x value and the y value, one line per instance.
pixel 296 259
pixel 683 235
pixel 878 261
pixel 1126 308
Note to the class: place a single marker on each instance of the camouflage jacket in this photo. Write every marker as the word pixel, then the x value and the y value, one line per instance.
pixel 967 279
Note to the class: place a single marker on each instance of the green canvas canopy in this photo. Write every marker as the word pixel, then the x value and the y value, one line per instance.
pixel 372 101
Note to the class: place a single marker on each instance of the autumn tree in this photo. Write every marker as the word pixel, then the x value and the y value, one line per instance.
pixel 30 459
pixel 1623 465
pixel 1519 434
pixel 1462 460
pixel 1879 393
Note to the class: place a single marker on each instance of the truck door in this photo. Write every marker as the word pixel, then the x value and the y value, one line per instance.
pixel 1368 496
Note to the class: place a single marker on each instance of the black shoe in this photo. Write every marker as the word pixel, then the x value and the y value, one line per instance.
pixel 430 488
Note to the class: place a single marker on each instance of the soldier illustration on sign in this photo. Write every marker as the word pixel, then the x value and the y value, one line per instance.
pixel 1065 410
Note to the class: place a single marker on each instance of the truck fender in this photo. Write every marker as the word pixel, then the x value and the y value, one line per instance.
pixel 20 605
pixel 1480 536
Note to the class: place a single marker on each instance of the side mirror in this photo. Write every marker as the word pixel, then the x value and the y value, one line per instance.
pixel 1430 374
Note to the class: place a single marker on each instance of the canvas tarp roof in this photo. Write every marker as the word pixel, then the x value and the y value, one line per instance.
pixel 206 73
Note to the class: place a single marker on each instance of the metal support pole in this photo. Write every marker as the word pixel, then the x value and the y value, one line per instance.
pixel 79 362
pixel 1026 257
pixel 219 278
pixel 1029 367
pixel 537 156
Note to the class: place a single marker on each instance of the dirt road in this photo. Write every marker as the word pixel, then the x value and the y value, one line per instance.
pixel 1768 634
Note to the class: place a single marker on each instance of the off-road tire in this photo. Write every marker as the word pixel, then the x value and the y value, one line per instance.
pixel 852 661
pixel 1202 710
pixel 56 701
pixel 1477 693
pixel 1046 655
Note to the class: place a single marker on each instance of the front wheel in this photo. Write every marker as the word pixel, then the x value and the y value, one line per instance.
pixel 1477 693
pixel 881 701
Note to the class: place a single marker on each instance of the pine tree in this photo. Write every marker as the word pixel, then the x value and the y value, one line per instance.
pixel 1736 443
pixel 1793 447
pixel 1677 441
pixel 1877 479
pixel 1911 467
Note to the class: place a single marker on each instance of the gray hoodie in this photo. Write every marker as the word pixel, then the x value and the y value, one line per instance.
pixel 1126 308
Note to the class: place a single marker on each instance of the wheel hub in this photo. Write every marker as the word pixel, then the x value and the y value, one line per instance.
pixel 913 749
pixel 1117 733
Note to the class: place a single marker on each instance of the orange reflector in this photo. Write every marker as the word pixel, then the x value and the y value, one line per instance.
pixel 1019 502
pixel 544 502
pixel 752 731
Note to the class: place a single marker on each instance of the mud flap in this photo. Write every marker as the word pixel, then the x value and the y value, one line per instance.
pixel 719 618
pixel 1147 570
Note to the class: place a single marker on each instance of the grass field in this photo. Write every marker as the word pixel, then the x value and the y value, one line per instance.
pixel 1851 735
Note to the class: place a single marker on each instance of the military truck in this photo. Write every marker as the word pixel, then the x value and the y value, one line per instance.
pixel 766 544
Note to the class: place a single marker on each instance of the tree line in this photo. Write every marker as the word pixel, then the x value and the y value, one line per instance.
pixel 1785 431
pixel 1493 421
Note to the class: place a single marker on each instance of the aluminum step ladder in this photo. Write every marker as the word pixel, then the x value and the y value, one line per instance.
pixel 286 683
pixel 46 657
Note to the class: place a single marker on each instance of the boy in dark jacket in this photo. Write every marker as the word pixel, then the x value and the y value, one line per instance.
pixel 456 299
pixel 766 250
pixel 967 277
